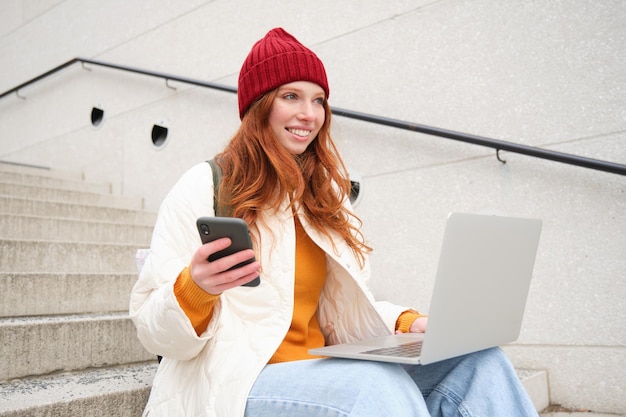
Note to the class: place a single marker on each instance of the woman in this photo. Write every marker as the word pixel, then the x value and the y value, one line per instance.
pixel 231 350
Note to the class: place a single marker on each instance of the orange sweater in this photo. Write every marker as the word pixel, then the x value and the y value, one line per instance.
pixel 304 332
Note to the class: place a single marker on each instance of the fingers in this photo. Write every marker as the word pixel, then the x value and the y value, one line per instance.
pixel 202 254
pixel 419 325
pixel 217 276
pixel 228 284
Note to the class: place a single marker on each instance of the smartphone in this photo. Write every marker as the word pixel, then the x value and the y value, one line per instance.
pixel 213 228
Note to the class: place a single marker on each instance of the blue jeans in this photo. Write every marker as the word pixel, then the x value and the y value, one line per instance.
pixel 481 384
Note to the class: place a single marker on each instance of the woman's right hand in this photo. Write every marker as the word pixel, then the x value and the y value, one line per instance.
pixel 215 277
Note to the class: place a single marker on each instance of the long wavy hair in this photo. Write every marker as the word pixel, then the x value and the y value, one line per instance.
pixel 259 173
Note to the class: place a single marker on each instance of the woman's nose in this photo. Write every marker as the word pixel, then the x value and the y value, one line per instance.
pixel 306 111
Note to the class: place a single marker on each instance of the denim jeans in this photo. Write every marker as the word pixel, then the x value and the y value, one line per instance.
pixel 481 384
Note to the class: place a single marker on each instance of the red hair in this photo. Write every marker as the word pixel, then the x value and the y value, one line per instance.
pixel 259 173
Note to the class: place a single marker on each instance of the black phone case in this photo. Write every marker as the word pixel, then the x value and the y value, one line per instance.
pixel 213 228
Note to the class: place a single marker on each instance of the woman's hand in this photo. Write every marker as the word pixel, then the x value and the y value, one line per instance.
pixel 214 277
pixel 419 325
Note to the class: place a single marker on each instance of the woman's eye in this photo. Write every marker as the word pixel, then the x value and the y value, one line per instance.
pixel 320 100
pixel 290 96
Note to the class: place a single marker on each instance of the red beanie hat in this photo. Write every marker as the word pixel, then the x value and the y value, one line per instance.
pixel 277 59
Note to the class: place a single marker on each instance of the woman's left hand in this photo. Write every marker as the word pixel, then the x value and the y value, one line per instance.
pixel 419 325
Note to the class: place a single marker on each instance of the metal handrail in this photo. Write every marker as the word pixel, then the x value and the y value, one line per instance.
pixel 166 77
pixel 498 145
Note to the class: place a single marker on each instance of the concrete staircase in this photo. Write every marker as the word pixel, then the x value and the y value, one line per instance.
pixel 67 265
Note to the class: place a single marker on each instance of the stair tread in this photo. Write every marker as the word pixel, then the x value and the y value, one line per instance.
pixel 108 222
pixel 52 182
pixel 89 244
pixel 82 210
pixel 67 318
pixel 27 169
pixel 18 226
pixel 40 391
pixel 66 274
pixel 39 345
pixel 63 195
pixel 29 255
pixel 47 293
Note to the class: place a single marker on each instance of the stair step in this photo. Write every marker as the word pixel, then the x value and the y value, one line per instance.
pixel 38 207
pixel 536 384
pixel 67 257
pixel 52 182
pixel 58 229
pixel 34 294
pixel 118 391
pixel 16 167
pixel 67 267
pixel 44 344
pixel 69 196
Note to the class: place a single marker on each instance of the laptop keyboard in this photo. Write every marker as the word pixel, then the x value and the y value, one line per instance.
pixel 408 350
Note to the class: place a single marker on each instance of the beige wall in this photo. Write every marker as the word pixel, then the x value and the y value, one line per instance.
pixel 549 75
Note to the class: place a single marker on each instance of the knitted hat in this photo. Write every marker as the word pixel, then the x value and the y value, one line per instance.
pixel 277 59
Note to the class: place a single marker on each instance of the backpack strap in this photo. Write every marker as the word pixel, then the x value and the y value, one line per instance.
pixel 220 211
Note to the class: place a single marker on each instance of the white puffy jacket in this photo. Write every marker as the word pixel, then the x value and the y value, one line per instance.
pixel 211 374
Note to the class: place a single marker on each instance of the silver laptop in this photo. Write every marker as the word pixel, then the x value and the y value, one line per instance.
pixel 479 297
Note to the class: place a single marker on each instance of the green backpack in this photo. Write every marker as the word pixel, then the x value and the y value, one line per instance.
pixel 220 211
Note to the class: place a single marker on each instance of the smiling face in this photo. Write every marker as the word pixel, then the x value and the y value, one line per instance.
pixel 297 115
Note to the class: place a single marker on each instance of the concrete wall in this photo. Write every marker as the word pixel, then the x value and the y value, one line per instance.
pixel 549 74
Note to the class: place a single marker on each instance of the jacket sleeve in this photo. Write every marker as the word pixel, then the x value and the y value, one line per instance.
pixel 197 304
pixel 162 325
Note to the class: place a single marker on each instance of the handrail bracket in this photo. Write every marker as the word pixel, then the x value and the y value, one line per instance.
pixel 498 156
